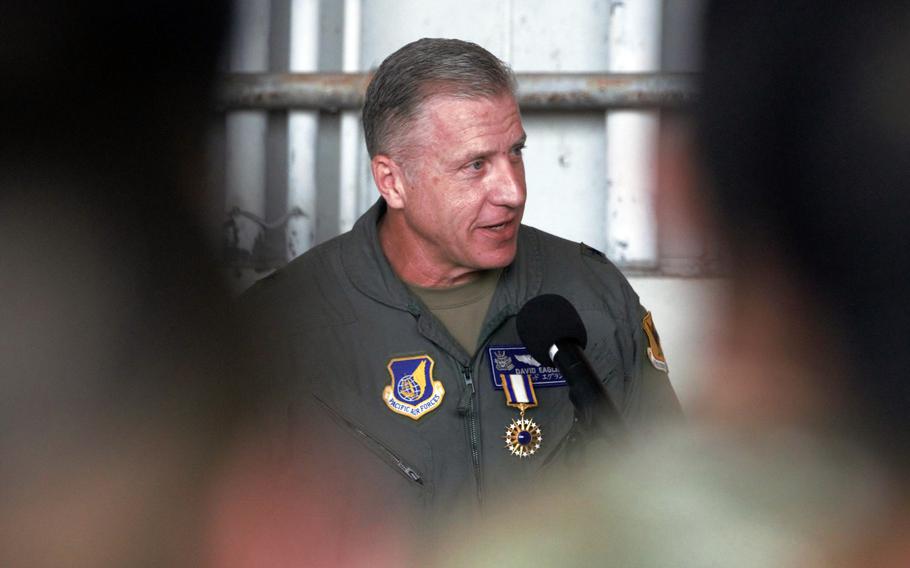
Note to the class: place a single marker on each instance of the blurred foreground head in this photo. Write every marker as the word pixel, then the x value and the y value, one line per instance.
pixel 805 137
pixel 116 396
pixel 106 79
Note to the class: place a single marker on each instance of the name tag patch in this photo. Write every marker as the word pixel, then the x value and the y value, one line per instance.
pixel 508 360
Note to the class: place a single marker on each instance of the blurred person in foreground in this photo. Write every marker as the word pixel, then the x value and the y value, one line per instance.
pixel 125 432
pixel 116 401
pixel 395 340
pixel 801 451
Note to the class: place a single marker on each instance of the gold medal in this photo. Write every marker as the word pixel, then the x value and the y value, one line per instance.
pixel 523 435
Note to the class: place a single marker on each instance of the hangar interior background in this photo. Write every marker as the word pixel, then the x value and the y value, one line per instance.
pixel 290 159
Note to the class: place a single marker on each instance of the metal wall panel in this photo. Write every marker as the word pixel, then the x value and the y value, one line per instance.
pixel 568 36
pixel 302 131
pixel 564 166
pixel 389 24
pixel 245 134
pixel 565 157
pixel 574 170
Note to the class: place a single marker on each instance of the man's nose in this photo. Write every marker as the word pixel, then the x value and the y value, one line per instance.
pixel 509 184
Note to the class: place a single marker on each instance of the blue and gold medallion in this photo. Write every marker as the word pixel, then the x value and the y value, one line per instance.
pixel 413 392
pixel 523 436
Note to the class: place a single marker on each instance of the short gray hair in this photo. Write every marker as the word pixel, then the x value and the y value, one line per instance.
pixel 421 69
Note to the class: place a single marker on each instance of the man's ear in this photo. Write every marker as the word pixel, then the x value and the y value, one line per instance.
pixel 390 180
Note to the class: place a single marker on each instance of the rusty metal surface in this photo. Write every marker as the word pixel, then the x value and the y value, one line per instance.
pixel 536 91
pixel 272 91
pixel 551 91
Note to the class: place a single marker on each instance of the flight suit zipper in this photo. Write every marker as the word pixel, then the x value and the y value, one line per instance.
pixel 405 468
pixel 466 407
pixel 382 449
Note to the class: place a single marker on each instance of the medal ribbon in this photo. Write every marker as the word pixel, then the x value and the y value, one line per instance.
pixel 519 391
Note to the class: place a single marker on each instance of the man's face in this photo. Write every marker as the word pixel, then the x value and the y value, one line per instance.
pixel 465 183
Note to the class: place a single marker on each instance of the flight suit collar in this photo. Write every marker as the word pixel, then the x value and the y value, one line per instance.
pixel 520 281
pixel 367 267
pixel 370 272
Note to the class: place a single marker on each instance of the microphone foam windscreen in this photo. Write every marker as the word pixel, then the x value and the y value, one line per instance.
pixel 546 319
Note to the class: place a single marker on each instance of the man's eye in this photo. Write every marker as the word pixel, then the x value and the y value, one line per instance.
pixel 517 150
pixel 476 165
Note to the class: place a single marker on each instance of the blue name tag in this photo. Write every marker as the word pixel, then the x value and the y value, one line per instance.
pixel 515 360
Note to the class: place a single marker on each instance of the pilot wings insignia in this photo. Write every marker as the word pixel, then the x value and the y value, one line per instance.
pixel 528 360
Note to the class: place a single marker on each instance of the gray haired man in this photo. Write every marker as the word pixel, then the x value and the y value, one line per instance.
pixel 397 340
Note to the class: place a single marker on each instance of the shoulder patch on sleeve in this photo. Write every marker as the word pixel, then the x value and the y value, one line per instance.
pixel 592 252
pixel 655 351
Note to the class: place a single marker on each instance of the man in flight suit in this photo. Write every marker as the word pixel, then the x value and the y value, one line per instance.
pixel 394 341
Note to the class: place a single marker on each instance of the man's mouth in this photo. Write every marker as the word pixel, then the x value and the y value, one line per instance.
pixel 497 226
pixel 503 230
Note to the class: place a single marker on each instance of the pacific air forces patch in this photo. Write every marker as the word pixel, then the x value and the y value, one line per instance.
pixel 655 351
pixel 413 392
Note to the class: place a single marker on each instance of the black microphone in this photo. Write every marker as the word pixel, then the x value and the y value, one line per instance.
pixel 551 329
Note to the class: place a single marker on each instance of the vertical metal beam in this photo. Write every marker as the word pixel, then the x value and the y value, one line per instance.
pixel 271 250
pixel 328 148
pixel 631 138
pixel 245 131
pixel 302 130
pixel 351 195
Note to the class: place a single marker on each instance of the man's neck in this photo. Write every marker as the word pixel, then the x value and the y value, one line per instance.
pixel 414 265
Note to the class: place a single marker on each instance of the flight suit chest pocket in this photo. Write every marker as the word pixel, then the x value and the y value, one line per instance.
pixel 411 463
pixel 342 402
